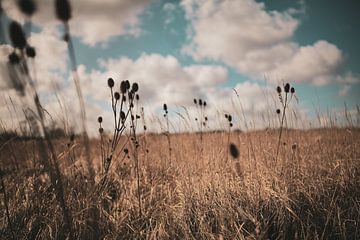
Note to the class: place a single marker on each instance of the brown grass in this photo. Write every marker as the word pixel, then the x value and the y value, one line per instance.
pixel 311 193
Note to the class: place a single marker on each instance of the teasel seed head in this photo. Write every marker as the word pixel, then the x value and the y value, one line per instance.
pixel 127 84
pixel 195 101
pixel 101 130
pixel 278 89
pixel 234 151
pixel 137 97
pixel 14 58
pixel 287 87
pixel 204 104
pixel 126 151
pixel 292 90
pixel 206 118
pixel 30 52
pixel 230 124
pixel 100 119
pixel 63 10
pixel 226 116
pixel 117 95
pixel 110 82
pixel 165 107
pixel 27 7
pixel 145 128
pixel 200 102
pixel 122 115
pixel 123 87
pixel 17 35
pixel 229 118
pixel 278 111
pixel 135 87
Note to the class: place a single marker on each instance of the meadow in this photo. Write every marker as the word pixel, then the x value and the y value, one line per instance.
pixel 127 182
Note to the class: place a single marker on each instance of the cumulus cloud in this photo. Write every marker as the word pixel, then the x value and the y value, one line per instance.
pixel 93 21
pixel 257 42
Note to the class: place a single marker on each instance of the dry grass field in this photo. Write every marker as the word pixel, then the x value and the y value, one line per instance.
pixel 129 183
pixel 310 192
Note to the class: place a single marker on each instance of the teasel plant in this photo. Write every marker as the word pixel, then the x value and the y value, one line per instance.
pixel 6 201
pixel 285 95
pixel 167 132
pixel 202 120
pixel 229 119
pixel 64 13
pixel 122 104
pixel 21 77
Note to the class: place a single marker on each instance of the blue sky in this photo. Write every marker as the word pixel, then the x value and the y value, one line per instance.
pixel 233 43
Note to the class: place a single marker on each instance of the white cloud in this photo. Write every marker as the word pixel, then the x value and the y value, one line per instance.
pixel 93 21
pixel 257 42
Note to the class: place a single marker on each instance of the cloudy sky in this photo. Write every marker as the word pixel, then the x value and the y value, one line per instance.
pixel 180 50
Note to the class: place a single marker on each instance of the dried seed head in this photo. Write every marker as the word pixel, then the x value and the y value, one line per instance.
pixel 230 118
pixel 165 107
pixel 30 52
pixel 63 10
pixel 137 117
pixel 226 116
pixel 126 151
pixel 135 87
pixel 278 89
pixel 27 7
pixel 100 119
pixel 204 104
pixel 101 130
pixel 127 84
pixel 145 128
pixel 14 58
pixel 110 82
pixel 230 124
pixel 137 97
pixel 287 87
pixel 195 101
pixel 122 115
pixel 17 35
pixel 234 151
pixel 123 87
pixel 117 96
pixel 200 102
pixel 278 111
pixel 292 90
pixel 206 118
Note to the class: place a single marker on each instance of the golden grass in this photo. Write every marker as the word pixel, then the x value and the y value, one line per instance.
pixel 311 193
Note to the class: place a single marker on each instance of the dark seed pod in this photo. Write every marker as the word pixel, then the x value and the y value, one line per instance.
pixel 117 96
pixel 126 151
pixel 200 102
pixel 234 151
pixel 127 84
pixel 30 52
pixel 137 97
pixel 278 111
pixel 63 10
pixel 287 87
pixel 135 87
pixel 110 82
pixel 17 35
pixel 230 118
pixel 123 87
pixel 100 119
pixel 204 104
pixel 206 118
pixel 137 117
pixel 145 128
pixel 165 107
pixel 230 124
pixel 101 130
pixel 195 101
pixel 28 7
pixel 278 89
pixel 292 90
pixel 14 58
pixel 196 119
pixel 226 116
pixel 122 115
